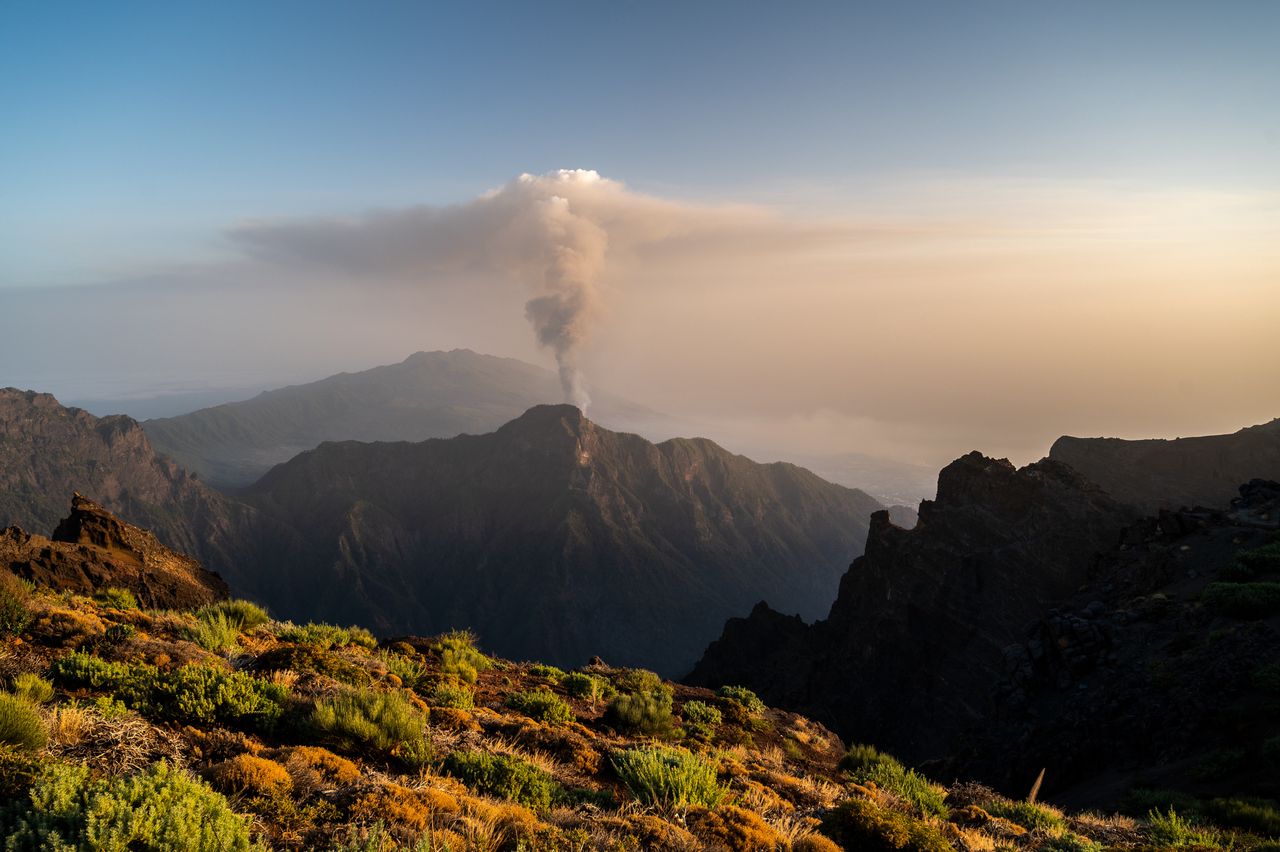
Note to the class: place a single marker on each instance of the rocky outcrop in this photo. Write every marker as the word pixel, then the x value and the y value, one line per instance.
pixel 913 648
pixel 92 550
pixel 556 539
pixel 1185 472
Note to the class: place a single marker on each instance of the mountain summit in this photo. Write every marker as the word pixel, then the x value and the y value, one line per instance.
pixel 555 538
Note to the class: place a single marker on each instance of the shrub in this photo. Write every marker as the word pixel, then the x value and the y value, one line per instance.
pixel 114 597
pixel 551 673
pixel 249 775
pixel 459 656
pixel 1029 815
pixel 1267 678
pixel 311 658
pixel 193 693
pixel 383 720
pixel 412 673
pixel 245 615
pixel 540 704
pixel 213 631
pixel 743 697
pixel 14 613
pixel 327 636
pixel 456 695
pixel 1217 764
pixel 865 764
pixel 591 688
pixel 21 725
pixel 1170 831
pixel 312 767
pixel 863 824
pixel 1260 816
pixel 1243 600
pixel 643 713
pixel 504 776
pixel 701 718
pixel 32 687
pixel 734 829
pixel 641 680
pixel 158 809
pixel 669 777
pixel 1261 560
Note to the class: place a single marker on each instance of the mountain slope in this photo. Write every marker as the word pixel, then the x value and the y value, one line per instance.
pixel 558 539
pixel 1159 474
pixel 913 647
pixel 428 395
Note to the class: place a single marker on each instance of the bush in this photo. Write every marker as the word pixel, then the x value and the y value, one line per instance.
pixel 328 636
pixel 1168 830
pixel 114 597
pixel 14 596
pixel 669 777
pixel 383 720
pixel 159 809
pixel 732 829
pixel 245 615
pixel 1261 816
pixel 194 693
pixel 456 695
pixel 551 673
pixel 1261 560
pixel 701 718
pixel 413 674
pixel 643 713
pixel 862 824
pixel 459 656
pixel 865 764
pixel 1029 815
pixel 743 697
pixel 32 687
pixel 311 658
pixel 21 725
pixel 314 767
pixel 1267 678
pixel 249 775
pixel 641 680
pixel 591 688
pixel 214 631
pixel 540 704
pixel 1243 600
pixel 505 777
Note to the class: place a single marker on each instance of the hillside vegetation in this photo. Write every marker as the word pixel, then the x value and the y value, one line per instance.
pixel 220 728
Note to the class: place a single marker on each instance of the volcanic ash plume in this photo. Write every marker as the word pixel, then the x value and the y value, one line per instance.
pixel 572 257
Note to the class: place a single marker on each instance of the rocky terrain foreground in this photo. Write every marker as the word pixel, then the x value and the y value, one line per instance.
pixel 218 728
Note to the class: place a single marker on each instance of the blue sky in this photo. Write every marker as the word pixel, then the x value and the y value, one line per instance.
pixel 136 132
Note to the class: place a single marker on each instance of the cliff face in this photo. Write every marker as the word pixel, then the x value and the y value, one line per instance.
pixel 557 539
pixel 1159 474
pixel 912 649
pixel 48 452
pixel 92 550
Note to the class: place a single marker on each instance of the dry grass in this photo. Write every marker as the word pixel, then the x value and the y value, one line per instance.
pixel 69 724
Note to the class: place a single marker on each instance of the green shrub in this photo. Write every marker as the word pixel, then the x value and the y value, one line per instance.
pixel 1261 560
pixel 14 612
pixel 505 777
pixel 312 658
pixel 159 809
pixel 1267 678
pixel 641 680
pixel 194 693
pixel 245 615
pixel 459 656
pixel 20 724
pixel 1168 830
pixel 413 674
pixel 743 697
pixel 1243 600
pixel 551 673
pixel 1217 764
pixel 214 631
pixel 862 824
pixel 114 597
pixel 456 695
pixel 1068 842
pixel 541 704
pixel 328 636
pixel 1029 815
pixel 669 777
pixel 701 718
pixel 865 764
pixel 1260 816
pixel 382 720
pixel 591 688
pixel 643 713
pixel 116 634
pixel 32 687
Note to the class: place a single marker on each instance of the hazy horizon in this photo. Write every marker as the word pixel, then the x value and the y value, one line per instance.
pixel 840 229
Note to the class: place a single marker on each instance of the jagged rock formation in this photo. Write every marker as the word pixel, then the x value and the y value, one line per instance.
pixel 92 550
pixel 428 395
pixel 913 648
pixel 1186 472
pixel 557 539
pixel 1140 680
pixel 48 452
